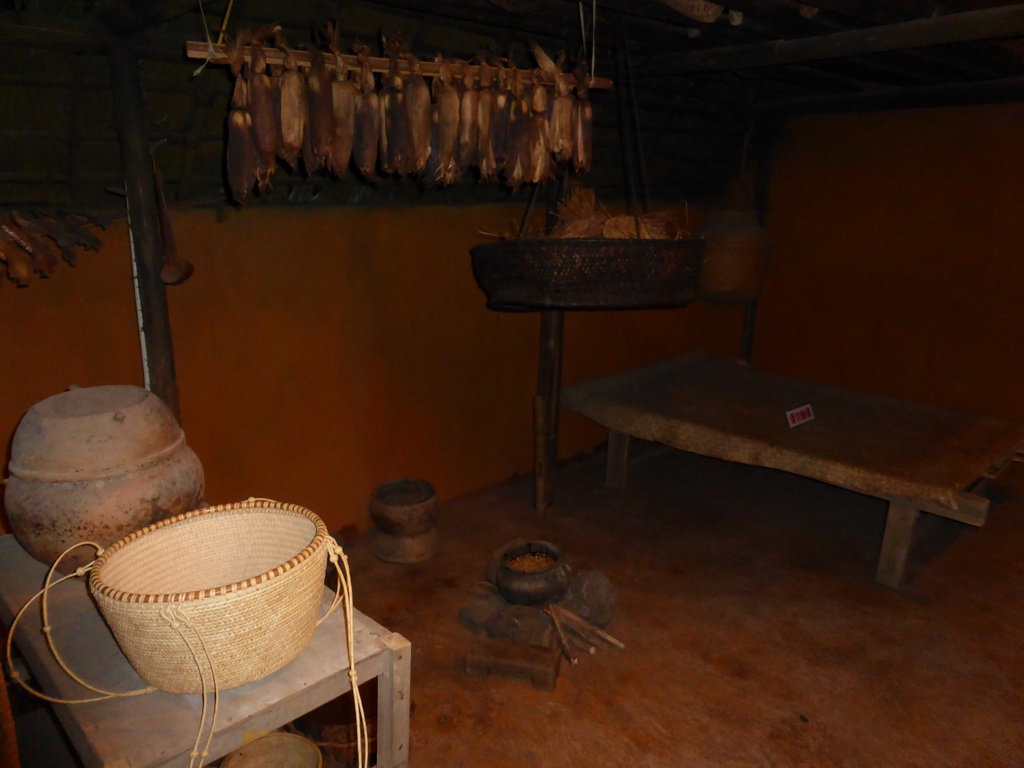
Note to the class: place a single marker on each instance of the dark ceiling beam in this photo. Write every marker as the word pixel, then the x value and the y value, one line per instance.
pixel 957 94
pixel 991 23
pixel 129 17
pixel 82 35
pixel 792 21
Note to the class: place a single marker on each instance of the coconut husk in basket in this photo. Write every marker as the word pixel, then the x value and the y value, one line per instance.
pixel 579 216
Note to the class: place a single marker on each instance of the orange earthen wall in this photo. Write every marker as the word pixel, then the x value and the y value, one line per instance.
pixel 322 351
pixel 898 262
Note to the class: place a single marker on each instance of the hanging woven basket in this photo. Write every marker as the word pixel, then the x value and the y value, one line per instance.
pixel 227 594
pixel 735 257
pixel 524 275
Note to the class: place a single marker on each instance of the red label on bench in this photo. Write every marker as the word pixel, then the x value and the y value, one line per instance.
pixel 799 416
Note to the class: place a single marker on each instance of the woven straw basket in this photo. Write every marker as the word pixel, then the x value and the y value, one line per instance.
pixel 215 598
pixel 735 257
pixel 276 750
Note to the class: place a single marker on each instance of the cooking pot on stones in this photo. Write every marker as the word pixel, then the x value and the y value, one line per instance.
pixel 95 464
pixel 533 573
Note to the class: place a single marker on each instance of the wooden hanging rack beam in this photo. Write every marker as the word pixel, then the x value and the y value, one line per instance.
pixel 219 55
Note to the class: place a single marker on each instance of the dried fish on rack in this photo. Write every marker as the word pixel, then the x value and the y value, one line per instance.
pixel 320 94
pixel 367 134
pixel 44 260
pixel 582 120
pixel 344 98
pixel 503 100
pixel 560 122
pixel 51 229
pixel 536 143
pixel 446 119
pixel 19 265
pixel 486 162
pixel 469 103
pixel 261 96
pixel 294 111
pixel 419 115
pixel 516 130
pixel 241 156
pixel 395 142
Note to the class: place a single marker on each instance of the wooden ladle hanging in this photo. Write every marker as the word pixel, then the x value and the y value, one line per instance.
pixel 175 270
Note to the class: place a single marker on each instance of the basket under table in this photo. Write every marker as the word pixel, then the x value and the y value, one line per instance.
pixel 157 729
pixel 917 457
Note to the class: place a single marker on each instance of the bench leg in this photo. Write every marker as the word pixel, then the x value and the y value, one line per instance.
pixel 618 459
pixel 393 697
pixel 899 532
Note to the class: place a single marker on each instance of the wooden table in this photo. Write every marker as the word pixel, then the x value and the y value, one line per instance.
pixel 917 457
pixel 158 729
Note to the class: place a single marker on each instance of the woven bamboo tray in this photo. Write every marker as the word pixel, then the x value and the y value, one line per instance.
pixel 525 275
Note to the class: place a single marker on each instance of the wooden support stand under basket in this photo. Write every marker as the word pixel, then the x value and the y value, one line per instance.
pixel 157 730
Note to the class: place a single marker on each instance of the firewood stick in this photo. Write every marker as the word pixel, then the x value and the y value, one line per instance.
pixel 562 639
pixel 584 628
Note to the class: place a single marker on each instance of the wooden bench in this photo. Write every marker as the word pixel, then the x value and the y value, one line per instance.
pixel 917 457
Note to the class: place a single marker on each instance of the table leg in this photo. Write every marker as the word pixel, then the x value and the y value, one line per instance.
pixel 899 532
pixel 393 698
pixel 545 404
pixel 617 471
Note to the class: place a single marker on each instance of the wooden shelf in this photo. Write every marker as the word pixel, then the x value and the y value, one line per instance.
pixel 156 730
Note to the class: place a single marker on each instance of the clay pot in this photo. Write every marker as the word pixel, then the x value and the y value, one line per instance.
pixel 542 586
pixel 405 507
pixel 95 464
pixel 405 512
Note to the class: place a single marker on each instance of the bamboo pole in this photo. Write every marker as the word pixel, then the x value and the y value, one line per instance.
pixel 137 163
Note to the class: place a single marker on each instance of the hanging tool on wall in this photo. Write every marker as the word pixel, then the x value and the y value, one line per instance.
pixel 175 269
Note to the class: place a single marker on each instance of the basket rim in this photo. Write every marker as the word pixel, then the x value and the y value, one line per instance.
pixel 319 539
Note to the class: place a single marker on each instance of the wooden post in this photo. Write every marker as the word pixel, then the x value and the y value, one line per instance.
pixel 137 163
pixel 549 386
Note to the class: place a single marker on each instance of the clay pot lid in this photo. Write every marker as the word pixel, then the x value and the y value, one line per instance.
pixel 92 432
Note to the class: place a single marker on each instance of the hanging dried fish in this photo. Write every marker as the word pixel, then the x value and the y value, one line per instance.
pixel 536 143
pixel 241 157
pixel 395 141
pixel 261 110
pixel 343 99
pixel 503 100
pixel 446 118
pixel 560 122
pixel 419 115
pixel 516 133
pixel 582 120
pixel 74 225
pixel 294 111
pixel 19 266
pixel 486 161
pixel 320 93
pixel 242 160
pixel 469 125
pixel 31 239
pixel 367 134
pixel 64 240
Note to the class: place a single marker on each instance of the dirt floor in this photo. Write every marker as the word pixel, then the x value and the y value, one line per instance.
pixel 755 633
